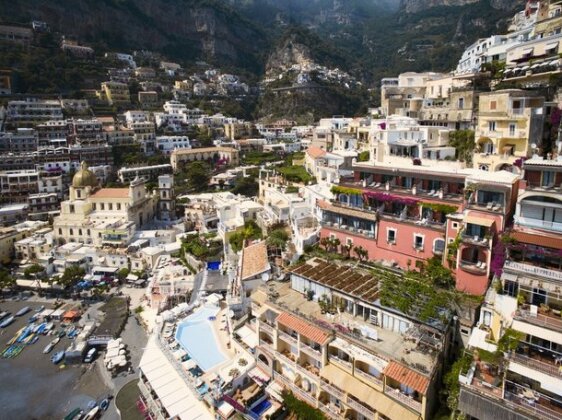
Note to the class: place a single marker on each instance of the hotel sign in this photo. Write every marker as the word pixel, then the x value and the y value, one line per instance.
pixel 533 270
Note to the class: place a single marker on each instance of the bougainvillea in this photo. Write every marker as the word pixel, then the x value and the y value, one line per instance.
pixel 386 197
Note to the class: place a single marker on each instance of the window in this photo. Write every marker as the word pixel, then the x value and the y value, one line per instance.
pixel 487 318
pixel 438 246
pixel 71 232
pixel 493 105
pixel 391 236
pixel 461 103
pixel 118 206
pixel 455 225
pixel 102 206
pixel 349 241
pixel 491 126
pixel 418 241
pixel 110 206
pixel 548 179
pixel 78 193
pixel 512 127
pixel 93 206
pixel 72 208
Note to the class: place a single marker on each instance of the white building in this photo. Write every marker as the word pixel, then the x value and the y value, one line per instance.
pixel 167 144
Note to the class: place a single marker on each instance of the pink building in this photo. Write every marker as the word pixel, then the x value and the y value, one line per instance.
pixel 404 215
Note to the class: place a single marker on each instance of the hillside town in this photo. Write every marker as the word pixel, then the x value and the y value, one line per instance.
pixel 404 264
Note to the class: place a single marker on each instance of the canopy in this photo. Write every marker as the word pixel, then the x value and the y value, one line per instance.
pixel 481 221
pixel 189 364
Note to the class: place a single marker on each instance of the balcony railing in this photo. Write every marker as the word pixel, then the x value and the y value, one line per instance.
pixel 539 319
pixel 310 351
pixel 473 268
pixel 286 337
pixel 344 363
pixel 536 223
pixel 267 328
pixel 538 411
pixel 360 408
pixel 368 377
pixel 476 240
pixel 295 389
pixel 404 399
pixel 329 411
pixel 285 358
pixel 332 390
pixel 549 369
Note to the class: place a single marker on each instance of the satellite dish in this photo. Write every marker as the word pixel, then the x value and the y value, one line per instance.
pixel 534 145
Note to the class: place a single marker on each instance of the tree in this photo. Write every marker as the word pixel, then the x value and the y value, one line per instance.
pixel 437 274
pixel 347 249
pixel 250 231
pixel 71 276
pixel 6 280
pixel 246 186
pixel 361 253
pixel 363 156
pixel 32 270
pixel 198 175
pixel 122 274
pixel 463 142
pixel 278 238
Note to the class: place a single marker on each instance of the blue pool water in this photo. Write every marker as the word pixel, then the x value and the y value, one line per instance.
pixel 261 408
pixel 196 336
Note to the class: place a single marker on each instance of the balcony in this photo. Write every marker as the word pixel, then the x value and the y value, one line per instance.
pixel 287 338
pixel 332 390
pixel 286 382
pixel 537 223
pixel 541 320
pixel 360 408
pixel 266 327
pixel 540 408
pixel 332 413
pixel 287 357
pixel 368 377
pixel 343 363
pixel 404 399
pixel 537 363
pixel 310 351
pixel 479 268
pixel 476 240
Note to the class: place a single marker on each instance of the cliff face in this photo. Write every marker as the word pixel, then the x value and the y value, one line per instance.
pixel 417 6
pixel 183 29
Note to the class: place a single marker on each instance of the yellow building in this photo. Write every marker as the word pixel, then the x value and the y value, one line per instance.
pixel 509 123
pixel 228 155
pixel 102 216
pixel 114 93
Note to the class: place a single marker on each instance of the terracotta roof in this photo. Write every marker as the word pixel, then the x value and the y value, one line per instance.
pixel 407 377
pixel 111 193
pixel 541 239
pixel 302 327
pixel 315 152
pixel 254 260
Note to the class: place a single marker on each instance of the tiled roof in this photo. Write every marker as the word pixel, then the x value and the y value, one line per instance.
pixel 304 328
pixel 254 260
pixel 315 152
pixel 541 239
pixel 407 377
pixel 111 193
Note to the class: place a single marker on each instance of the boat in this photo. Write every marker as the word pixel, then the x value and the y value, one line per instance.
pixel 62 333
pixel 33 318
pixel 74 414
pixel 7 321
pixel 39 309
pixel 57 357
pixel 104 404
pixel 92 413
pixel 48 328
pixel 3 315
pixel 23 311
pixel 33 340
pixel 51 345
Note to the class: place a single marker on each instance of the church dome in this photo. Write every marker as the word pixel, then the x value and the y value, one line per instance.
pixel 84 177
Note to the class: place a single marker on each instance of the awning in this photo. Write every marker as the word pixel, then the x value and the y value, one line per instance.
pixel 508 71
pixel 517 69
pixel 525 68
pixel 555 62
pixel 407 377
pixel 551 45
pixel 259 375
pixel 508 148
pixel 534 66
pixel 189 364
pixel 528 51
pixel 509 276
pixel 481 221
pixel 545 64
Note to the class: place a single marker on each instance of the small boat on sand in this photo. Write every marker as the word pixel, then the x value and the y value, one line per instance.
pixel 92 413
pixel 51 345
pixel 7 321
pixel 23 311
pixel 39 309
pixel 74 414
pixel 57 357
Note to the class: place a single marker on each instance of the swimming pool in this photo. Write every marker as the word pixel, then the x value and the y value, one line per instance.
pixel 195 334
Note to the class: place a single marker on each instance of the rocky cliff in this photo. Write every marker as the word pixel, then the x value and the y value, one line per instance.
pixel 417 6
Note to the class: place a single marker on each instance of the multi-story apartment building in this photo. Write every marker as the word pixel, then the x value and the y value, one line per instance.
pixel 167 144
pixel 23 140
pixel 404 214
pixel 52 133
pixel 523 310
pixel 226 155
pixel 365 362
pixel 456 111
pixel 510 122
pixel 15 186
pixel 145 135
pixel 31 111
pixel 85 131
pixel 115 93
